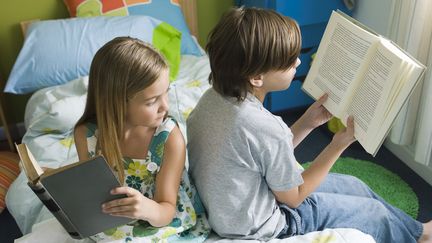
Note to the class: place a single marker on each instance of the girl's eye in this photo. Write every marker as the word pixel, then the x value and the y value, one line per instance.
pixel 150 103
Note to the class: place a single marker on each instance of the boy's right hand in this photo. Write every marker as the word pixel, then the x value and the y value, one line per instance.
pixel 345 137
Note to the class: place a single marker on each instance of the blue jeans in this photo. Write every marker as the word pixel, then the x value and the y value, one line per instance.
pixel 343 201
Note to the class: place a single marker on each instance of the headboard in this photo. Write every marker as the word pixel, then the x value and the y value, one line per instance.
pixel 188 7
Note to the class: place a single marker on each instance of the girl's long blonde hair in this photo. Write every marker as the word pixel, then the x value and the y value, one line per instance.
pixel 121 68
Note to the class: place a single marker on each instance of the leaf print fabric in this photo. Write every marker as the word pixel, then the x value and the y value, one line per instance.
pixel 140 174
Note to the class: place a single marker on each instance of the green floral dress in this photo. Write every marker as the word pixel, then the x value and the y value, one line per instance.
pixel 189 224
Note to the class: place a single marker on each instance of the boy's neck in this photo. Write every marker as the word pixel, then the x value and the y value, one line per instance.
pixel 259 94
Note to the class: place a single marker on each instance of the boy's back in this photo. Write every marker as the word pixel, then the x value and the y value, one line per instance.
pixel 241 164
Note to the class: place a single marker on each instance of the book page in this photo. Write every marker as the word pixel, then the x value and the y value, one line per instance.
pixel 373 92
pixel 343 50
pixel 29 164
pixel 410 75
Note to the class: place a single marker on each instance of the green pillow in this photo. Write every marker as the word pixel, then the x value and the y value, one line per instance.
pixel 167 40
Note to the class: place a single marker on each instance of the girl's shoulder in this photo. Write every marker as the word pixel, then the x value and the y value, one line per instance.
pixel 167 125
pixel 82 133
pixel 87 129
pixel 168 132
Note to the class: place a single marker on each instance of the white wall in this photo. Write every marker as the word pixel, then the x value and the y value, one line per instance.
pixel 375 14
pixel 378 15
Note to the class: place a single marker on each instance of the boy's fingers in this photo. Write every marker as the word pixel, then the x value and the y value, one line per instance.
pixel 350 124
pixel 322 99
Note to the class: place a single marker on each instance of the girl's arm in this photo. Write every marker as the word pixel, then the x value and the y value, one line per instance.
pixel 168 178
pixel 80 137
pixel 315 174
pixel 314 116
pixel 161 210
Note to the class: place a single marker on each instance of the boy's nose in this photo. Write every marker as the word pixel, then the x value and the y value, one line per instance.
pixel 298 62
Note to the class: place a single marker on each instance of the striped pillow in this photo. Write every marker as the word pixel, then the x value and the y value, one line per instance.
pixel 9 170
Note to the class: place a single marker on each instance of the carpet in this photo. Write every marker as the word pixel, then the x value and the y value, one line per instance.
pixel 384 182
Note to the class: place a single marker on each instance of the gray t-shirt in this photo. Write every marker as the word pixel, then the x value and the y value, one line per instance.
pixel 238 153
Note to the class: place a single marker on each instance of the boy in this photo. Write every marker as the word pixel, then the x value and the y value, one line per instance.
pixel 242 157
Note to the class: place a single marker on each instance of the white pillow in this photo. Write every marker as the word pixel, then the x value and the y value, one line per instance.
pixel 56 109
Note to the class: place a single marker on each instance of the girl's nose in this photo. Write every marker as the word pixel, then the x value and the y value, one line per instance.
pixel 164 104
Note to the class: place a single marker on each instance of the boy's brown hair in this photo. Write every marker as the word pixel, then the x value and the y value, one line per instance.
pixel 248 42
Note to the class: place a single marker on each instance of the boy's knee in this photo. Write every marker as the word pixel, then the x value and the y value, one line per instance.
pixel 353 181
pixel 377 210
pixel 356 180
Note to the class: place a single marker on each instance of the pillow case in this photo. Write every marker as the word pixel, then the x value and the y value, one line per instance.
pixel 56 109
pixel 9 170
pixel 57 51
pixel 166 10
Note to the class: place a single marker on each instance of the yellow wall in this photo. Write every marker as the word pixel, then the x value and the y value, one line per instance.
pixel 11 39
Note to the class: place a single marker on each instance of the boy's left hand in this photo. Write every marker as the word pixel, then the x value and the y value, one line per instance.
pixel 317 114
pixel 131 206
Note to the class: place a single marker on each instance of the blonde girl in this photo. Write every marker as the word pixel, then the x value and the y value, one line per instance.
pixel 126 120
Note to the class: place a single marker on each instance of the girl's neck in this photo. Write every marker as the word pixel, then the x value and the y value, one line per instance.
pixel 137 131
pixel 136 141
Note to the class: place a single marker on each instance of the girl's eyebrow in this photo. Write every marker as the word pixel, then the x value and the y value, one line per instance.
pixel 153 97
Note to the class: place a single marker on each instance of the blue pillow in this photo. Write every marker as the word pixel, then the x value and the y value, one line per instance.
pixel 166 10
pixel 57 51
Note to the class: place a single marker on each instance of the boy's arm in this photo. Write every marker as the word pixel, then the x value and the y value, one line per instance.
pixel 319 169
pixel 314 116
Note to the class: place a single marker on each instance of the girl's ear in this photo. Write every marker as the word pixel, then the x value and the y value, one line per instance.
pixel 257 81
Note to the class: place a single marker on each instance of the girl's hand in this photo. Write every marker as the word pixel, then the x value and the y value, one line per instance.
pixel 316 114
pixel 134 206
pixel 345 137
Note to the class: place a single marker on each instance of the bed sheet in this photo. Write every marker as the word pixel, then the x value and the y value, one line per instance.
pixel 49 119
pixel 50 231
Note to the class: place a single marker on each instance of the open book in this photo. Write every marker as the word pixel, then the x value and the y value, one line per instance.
pixel 365 75
pixel 74 193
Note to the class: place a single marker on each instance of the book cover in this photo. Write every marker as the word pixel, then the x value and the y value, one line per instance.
pixel 75 193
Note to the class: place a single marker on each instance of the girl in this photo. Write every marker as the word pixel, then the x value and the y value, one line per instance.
pixel 126 120
pixel 242 156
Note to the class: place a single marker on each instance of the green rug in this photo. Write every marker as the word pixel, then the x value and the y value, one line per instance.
pixel 384 182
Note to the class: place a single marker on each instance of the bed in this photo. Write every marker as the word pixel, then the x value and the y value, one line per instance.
pixel 59 99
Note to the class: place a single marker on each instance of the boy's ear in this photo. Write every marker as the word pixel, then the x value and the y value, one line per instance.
pixel 257 81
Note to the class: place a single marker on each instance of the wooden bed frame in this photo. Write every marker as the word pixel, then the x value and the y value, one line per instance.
pixel 188 7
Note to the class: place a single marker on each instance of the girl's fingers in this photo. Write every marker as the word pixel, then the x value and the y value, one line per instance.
pixel 118 209
pixel 118 203
pixel 123 214
pixel 124 190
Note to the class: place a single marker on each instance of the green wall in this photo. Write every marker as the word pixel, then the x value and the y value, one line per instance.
pixel 11 39
pixel 209 13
